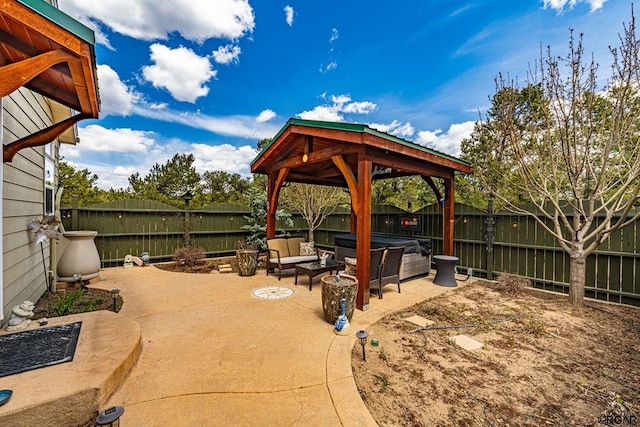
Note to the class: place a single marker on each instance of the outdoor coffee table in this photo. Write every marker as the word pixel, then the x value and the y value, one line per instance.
pixel 314 268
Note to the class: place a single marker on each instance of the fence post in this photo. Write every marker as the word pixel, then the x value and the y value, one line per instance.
pixel 489 236
pixel 74 212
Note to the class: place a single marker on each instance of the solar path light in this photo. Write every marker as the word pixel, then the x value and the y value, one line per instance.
pixel 362 337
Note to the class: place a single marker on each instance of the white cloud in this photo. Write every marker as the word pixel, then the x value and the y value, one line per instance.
pixel 288 13
pixel 227 54
pixel 100 139
pixel 322 112
pixel 223 157
pixel 333 64
pixel 448 142
pixel 118 177
pixel 116 98
pixel 335 34
pixel 329 67
pixel 180 71
pixel 397 128
pixel 559 5
pixel 265 116
pixel 196 20
pixel 341 105
pixel 364 107
pixel 237 126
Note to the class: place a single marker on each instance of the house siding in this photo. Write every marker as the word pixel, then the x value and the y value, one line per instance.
pixel 24 112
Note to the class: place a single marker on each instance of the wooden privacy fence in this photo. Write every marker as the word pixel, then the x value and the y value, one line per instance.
pixel 137 226
pixel 519 244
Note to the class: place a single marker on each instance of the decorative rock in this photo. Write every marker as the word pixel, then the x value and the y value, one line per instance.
pixel 467 343
pixel 420 321
pixel 20 316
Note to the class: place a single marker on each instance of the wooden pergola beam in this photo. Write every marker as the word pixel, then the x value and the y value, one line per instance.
pixel 41 137
pixel 17 74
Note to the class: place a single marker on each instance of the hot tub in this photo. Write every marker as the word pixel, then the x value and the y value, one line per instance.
pixel 416 260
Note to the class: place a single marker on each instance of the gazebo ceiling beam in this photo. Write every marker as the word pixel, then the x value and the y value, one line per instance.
pixel 434 188
pixel 294 161
pixel 337 181
pixel 390 148
pixel 352 183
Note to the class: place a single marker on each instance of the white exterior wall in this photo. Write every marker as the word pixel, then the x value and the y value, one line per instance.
pixel 24 112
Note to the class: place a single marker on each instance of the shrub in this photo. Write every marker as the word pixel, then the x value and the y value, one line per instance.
pixel 512 284
pixel 188 255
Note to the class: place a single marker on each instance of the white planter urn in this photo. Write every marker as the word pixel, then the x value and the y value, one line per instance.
pixel 80 259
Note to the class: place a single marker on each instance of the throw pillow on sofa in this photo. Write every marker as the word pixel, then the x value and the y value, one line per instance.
pixel 350 265
pixel 306 249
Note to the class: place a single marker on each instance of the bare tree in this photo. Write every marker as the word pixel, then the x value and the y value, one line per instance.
pixel 314 202
pixel 568 144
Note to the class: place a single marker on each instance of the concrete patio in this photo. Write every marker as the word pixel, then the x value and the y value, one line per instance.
pixel 202 350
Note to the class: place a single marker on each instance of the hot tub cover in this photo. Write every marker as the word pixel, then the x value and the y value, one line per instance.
pixel 411 244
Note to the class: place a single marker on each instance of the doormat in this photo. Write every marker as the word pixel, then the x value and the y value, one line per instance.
pixel 272 292
pixel 37 348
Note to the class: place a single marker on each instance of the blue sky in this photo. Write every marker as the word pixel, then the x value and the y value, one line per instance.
pixel 212 77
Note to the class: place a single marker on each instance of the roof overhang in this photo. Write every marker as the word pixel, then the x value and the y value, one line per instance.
pixel 47 51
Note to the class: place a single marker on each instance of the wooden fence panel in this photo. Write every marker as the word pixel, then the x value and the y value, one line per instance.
pixel 521 245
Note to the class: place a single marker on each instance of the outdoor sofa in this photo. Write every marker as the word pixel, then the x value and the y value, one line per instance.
pixel 286 252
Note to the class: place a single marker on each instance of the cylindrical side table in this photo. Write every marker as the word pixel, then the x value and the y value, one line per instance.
pixel 445 266
pixel 335 288
pixel 247 261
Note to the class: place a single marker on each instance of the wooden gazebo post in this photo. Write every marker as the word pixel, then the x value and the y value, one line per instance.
pixel 363 233
pixel 274 184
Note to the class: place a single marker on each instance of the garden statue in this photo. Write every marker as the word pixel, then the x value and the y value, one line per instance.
pixel 128 261
pixel 342 323
pixel 20 316
pixel 144 256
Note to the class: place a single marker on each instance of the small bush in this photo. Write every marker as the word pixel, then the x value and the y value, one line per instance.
pixel 382 380
pixel 512 284
pixel 188 255
pixel 62 305
pixel 532 325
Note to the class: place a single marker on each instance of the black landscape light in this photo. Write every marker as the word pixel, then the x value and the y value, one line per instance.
pixel 362 337
pixel 110 416
pixel 115 293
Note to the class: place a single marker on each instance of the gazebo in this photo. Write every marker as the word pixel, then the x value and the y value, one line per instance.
pixel 351 156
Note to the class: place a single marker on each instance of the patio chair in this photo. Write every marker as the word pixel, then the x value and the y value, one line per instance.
pixel 389 269
pixel 374 272
pixel 377 255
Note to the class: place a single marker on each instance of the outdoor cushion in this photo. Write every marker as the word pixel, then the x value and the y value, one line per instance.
pixel 294 245
pixel 306 248
pixel 280 245
pixel 349 265
pixel 295 259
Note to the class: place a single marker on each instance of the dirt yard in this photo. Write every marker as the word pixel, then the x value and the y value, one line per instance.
pixel 542 362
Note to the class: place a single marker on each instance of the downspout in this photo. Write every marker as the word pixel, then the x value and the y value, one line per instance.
pixel 53 259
